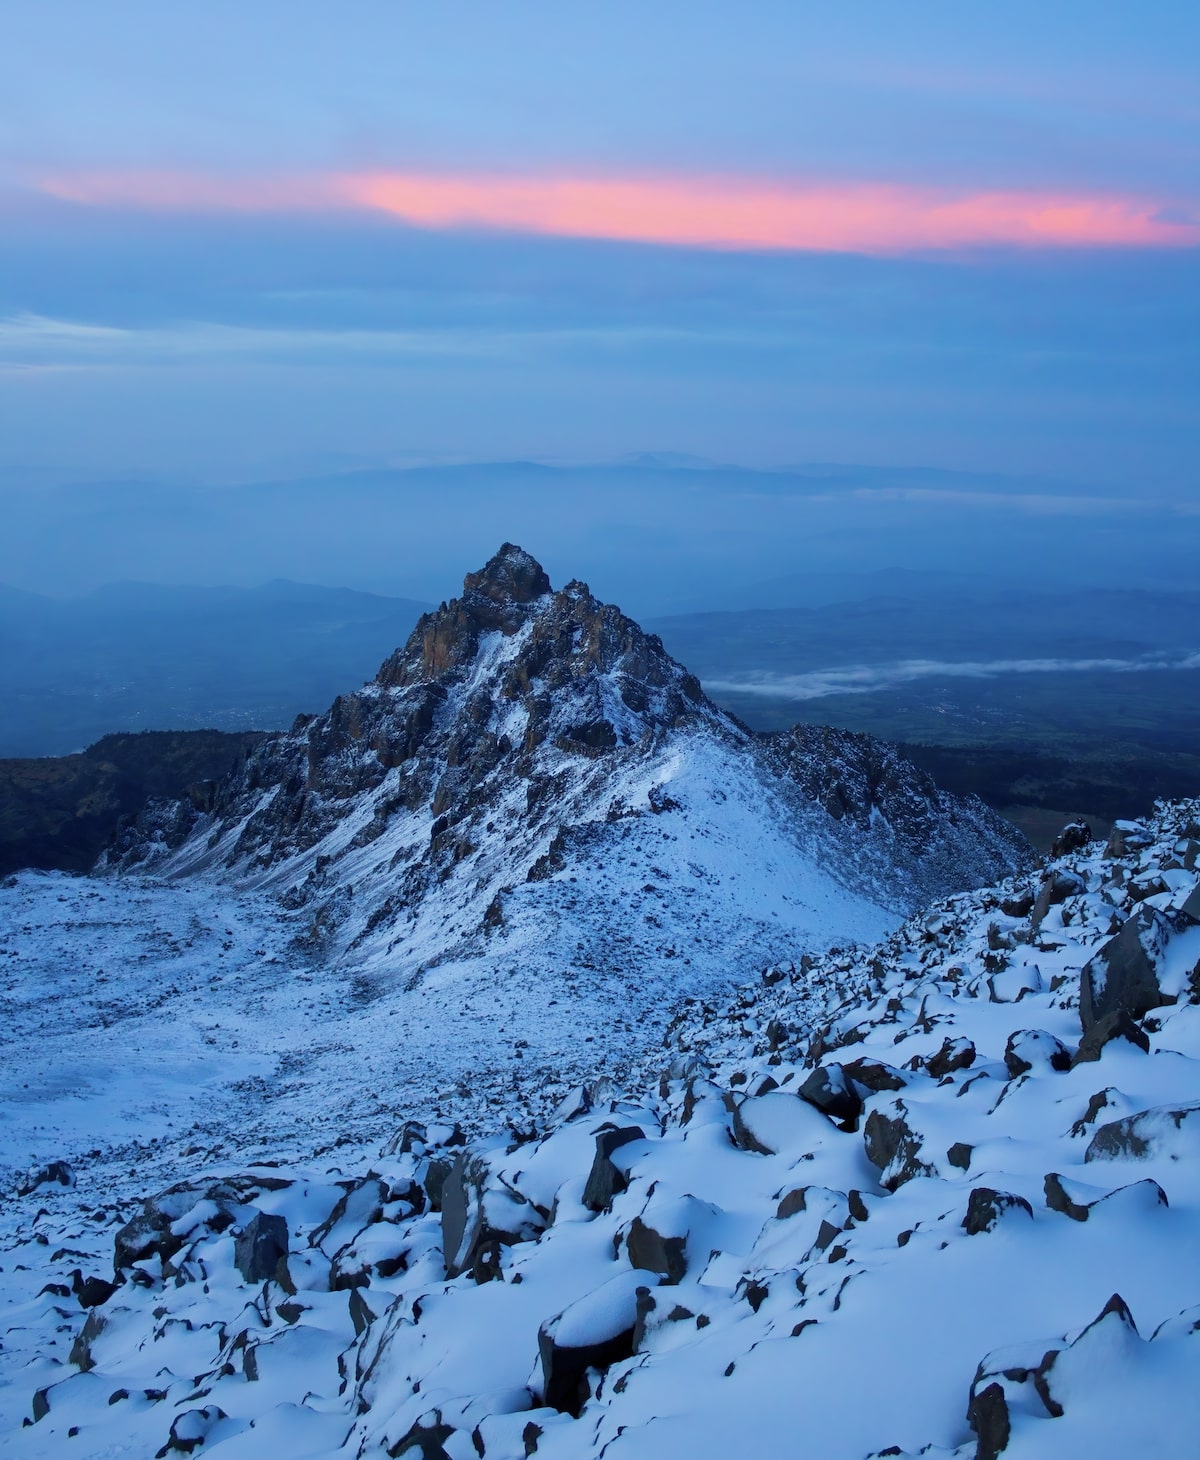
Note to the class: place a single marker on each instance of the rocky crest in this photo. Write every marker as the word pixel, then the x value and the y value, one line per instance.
pixel 514 728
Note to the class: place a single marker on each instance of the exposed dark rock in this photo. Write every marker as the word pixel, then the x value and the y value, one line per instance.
pixel 593 1333
pixel 1056 887
pixel 426 1439
pixel 894 1147
pixel 92 1292
pixel 874 1075
pixel 81 1349
pixel 190 1430
pixel 1059 1198
pixel 480 1217
pixel 986 1207
pixel 954 1055
pixel 1117 1025
pixel 55 1173
pixel 832 1092
pixel 1122 975
pixel 654 1252
pixel 1166 1129
pixel 605 1179
pixel 959 1154
pixel 259 1246
pixel 1072 838
pixel 987 1414
pixel 1019 904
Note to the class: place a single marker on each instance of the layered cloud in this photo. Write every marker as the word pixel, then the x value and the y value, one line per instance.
pixel 728 213
pixel 869 678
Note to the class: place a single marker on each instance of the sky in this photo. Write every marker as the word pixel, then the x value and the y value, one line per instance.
pixel 251 242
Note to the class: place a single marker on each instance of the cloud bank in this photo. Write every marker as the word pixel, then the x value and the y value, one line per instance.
pixel 869 678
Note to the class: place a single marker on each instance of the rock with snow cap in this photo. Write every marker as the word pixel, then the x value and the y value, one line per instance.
pixel 1122 976
pixel 594 1332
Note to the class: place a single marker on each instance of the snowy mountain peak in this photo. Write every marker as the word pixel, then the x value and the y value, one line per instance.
pixel 533 796
pixel 582 671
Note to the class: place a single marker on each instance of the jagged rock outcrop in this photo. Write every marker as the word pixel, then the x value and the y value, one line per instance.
pixel 522 737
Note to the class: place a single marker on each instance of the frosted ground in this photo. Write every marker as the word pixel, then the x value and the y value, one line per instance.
pixel 993 1214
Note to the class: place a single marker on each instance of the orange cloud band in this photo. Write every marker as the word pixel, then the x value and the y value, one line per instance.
pixel 712 213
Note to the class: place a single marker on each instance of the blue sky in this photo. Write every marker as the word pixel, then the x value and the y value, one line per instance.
pixel 307 237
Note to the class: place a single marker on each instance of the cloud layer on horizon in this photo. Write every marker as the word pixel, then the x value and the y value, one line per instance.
pixel 859 679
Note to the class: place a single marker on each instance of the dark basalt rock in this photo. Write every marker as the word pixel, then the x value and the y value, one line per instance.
pixel 81 1348
pixel 894 1147
pixel 605 1180
pixel 986 1207
pixel 654 1252
pixel 1072 838
pixel 259 1246
pixel 987 1414
pixel 874 1075
pixel 565 1365
pixel 479 1219
pixel 1122 976
pixel 1058 1199
pixel 426 1440
pixel 832 1092
pixel 954 1055
pixel 1056 887
pixel 1136 1136
pixel 1117 1025
pixel 190 1430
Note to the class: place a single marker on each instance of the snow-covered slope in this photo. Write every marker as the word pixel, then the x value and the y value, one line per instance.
pixel 941 1196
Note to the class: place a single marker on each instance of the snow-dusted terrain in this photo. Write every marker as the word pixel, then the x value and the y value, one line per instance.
pixel 430 1087
pixel 974 1233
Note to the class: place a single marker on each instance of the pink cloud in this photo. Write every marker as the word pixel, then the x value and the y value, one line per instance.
pixel 699 212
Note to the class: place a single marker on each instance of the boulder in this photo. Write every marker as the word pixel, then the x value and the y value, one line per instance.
pixel 986 1207
pixel 146 1234
pixel 1030 1049
pixel 1117 1025
pixel 54 1173
pixel 258 1247
pixel 480 1216
pixel 1018 904
pixel 1072 838
pixel 1171 1131
pixel 426 1440
pixel 91 1292
pixel 191 1428
pixel 657 1240
pixel 1122 975
pixel 1125 838
pixel 831 1091
pixel 592 1333
pixel 894 1147
pixel 1056 887
pixel 606 1179
pixel 81 1349
pixel 874 1075
pixel 1076 1201
pixel 987 1414
pixel 779 1122
pixel 954 1055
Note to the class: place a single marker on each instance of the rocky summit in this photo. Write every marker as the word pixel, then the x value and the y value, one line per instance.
pixel 533 758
